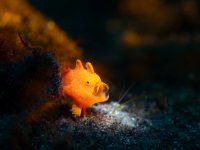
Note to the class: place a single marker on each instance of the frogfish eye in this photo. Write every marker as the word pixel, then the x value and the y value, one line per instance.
pixel 88 82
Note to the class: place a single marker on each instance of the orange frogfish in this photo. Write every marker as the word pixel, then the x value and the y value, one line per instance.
pixel 84 87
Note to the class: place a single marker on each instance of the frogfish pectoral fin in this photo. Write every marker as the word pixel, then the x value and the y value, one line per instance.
pixel 76 110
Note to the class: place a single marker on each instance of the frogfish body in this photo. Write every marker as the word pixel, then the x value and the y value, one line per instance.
pixel 84 87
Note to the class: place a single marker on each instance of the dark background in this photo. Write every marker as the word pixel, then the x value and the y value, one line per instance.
pixel 138 40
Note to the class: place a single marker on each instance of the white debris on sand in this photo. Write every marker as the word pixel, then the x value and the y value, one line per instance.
pixel 115 113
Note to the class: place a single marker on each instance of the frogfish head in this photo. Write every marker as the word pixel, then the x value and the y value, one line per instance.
pixel 84 86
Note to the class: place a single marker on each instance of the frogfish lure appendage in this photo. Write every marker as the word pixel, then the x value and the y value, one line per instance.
pixel 84 87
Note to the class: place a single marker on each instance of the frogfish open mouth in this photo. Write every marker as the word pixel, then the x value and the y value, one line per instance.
pixel 84 87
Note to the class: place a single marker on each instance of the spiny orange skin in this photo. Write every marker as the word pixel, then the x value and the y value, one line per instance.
pixel 84 86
